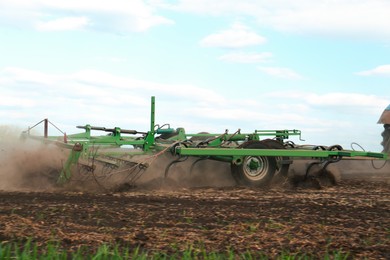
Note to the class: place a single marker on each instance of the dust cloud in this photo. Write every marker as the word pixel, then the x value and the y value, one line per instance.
pixel 27 165
pixel 208 173
pixel 350 169
pixel 370 170
pixel 186 174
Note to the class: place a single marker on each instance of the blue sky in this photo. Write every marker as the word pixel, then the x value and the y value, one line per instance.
pixel 319 66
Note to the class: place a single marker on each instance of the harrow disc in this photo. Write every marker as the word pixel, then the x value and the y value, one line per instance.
pixel 254 171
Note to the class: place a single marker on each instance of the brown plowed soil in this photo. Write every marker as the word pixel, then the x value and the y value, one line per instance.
pixel 352 217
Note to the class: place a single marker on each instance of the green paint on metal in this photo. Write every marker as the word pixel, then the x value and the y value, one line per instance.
pixel 73 158
pixel 275 153
pixel 254 164
pixel 280 134
pixel 149 139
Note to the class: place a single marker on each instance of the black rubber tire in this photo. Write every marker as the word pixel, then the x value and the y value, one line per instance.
pixel 273 144
pixel 260 177
pixel 386 139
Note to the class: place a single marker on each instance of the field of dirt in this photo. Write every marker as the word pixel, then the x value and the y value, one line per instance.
pixel 352 217
pixel 206 212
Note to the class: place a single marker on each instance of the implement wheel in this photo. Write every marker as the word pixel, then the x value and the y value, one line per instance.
pixel 255 171
pixel 282 169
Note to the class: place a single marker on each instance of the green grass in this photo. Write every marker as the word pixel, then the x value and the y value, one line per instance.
pixel 53 251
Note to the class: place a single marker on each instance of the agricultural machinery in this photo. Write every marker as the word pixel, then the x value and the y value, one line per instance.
pixel 255 158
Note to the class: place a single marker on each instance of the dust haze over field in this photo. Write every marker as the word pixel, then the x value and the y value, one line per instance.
pixel 26 164
pixel 31 165
pixel 206 173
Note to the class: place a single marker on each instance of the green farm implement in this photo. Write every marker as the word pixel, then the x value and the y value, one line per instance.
pixel 254 158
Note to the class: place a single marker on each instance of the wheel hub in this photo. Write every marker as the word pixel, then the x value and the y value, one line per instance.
pixel 254 164
pixel 255 167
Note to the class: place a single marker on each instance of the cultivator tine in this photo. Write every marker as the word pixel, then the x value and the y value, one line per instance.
pixel 178 160
pixel 107 169
pixel 132 171
pixel 85 172
pixel 309 167
pixel 195 162
pixel 102 170
pixel 319 177
pixel 135 173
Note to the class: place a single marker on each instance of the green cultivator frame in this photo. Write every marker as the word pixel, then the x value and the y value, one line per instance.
pixel 255 158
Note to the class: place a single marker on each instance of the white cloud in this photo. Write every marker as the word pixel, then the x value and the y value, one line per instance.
pixel 104 99
pixel 340 102
pixel 342 18
pixel 63 24
pixel 279 72
pixel 115 16
pixel 356 18
pixel 343 99
pixel 11 101
pixel 84 91
pixel 215 7
pixel 242 57
pixel 15 74
pixel 237 36
pixel 383 70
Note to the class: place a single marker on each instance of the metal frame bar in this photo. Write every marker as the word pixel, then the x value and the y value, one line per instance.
pixel 183 151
